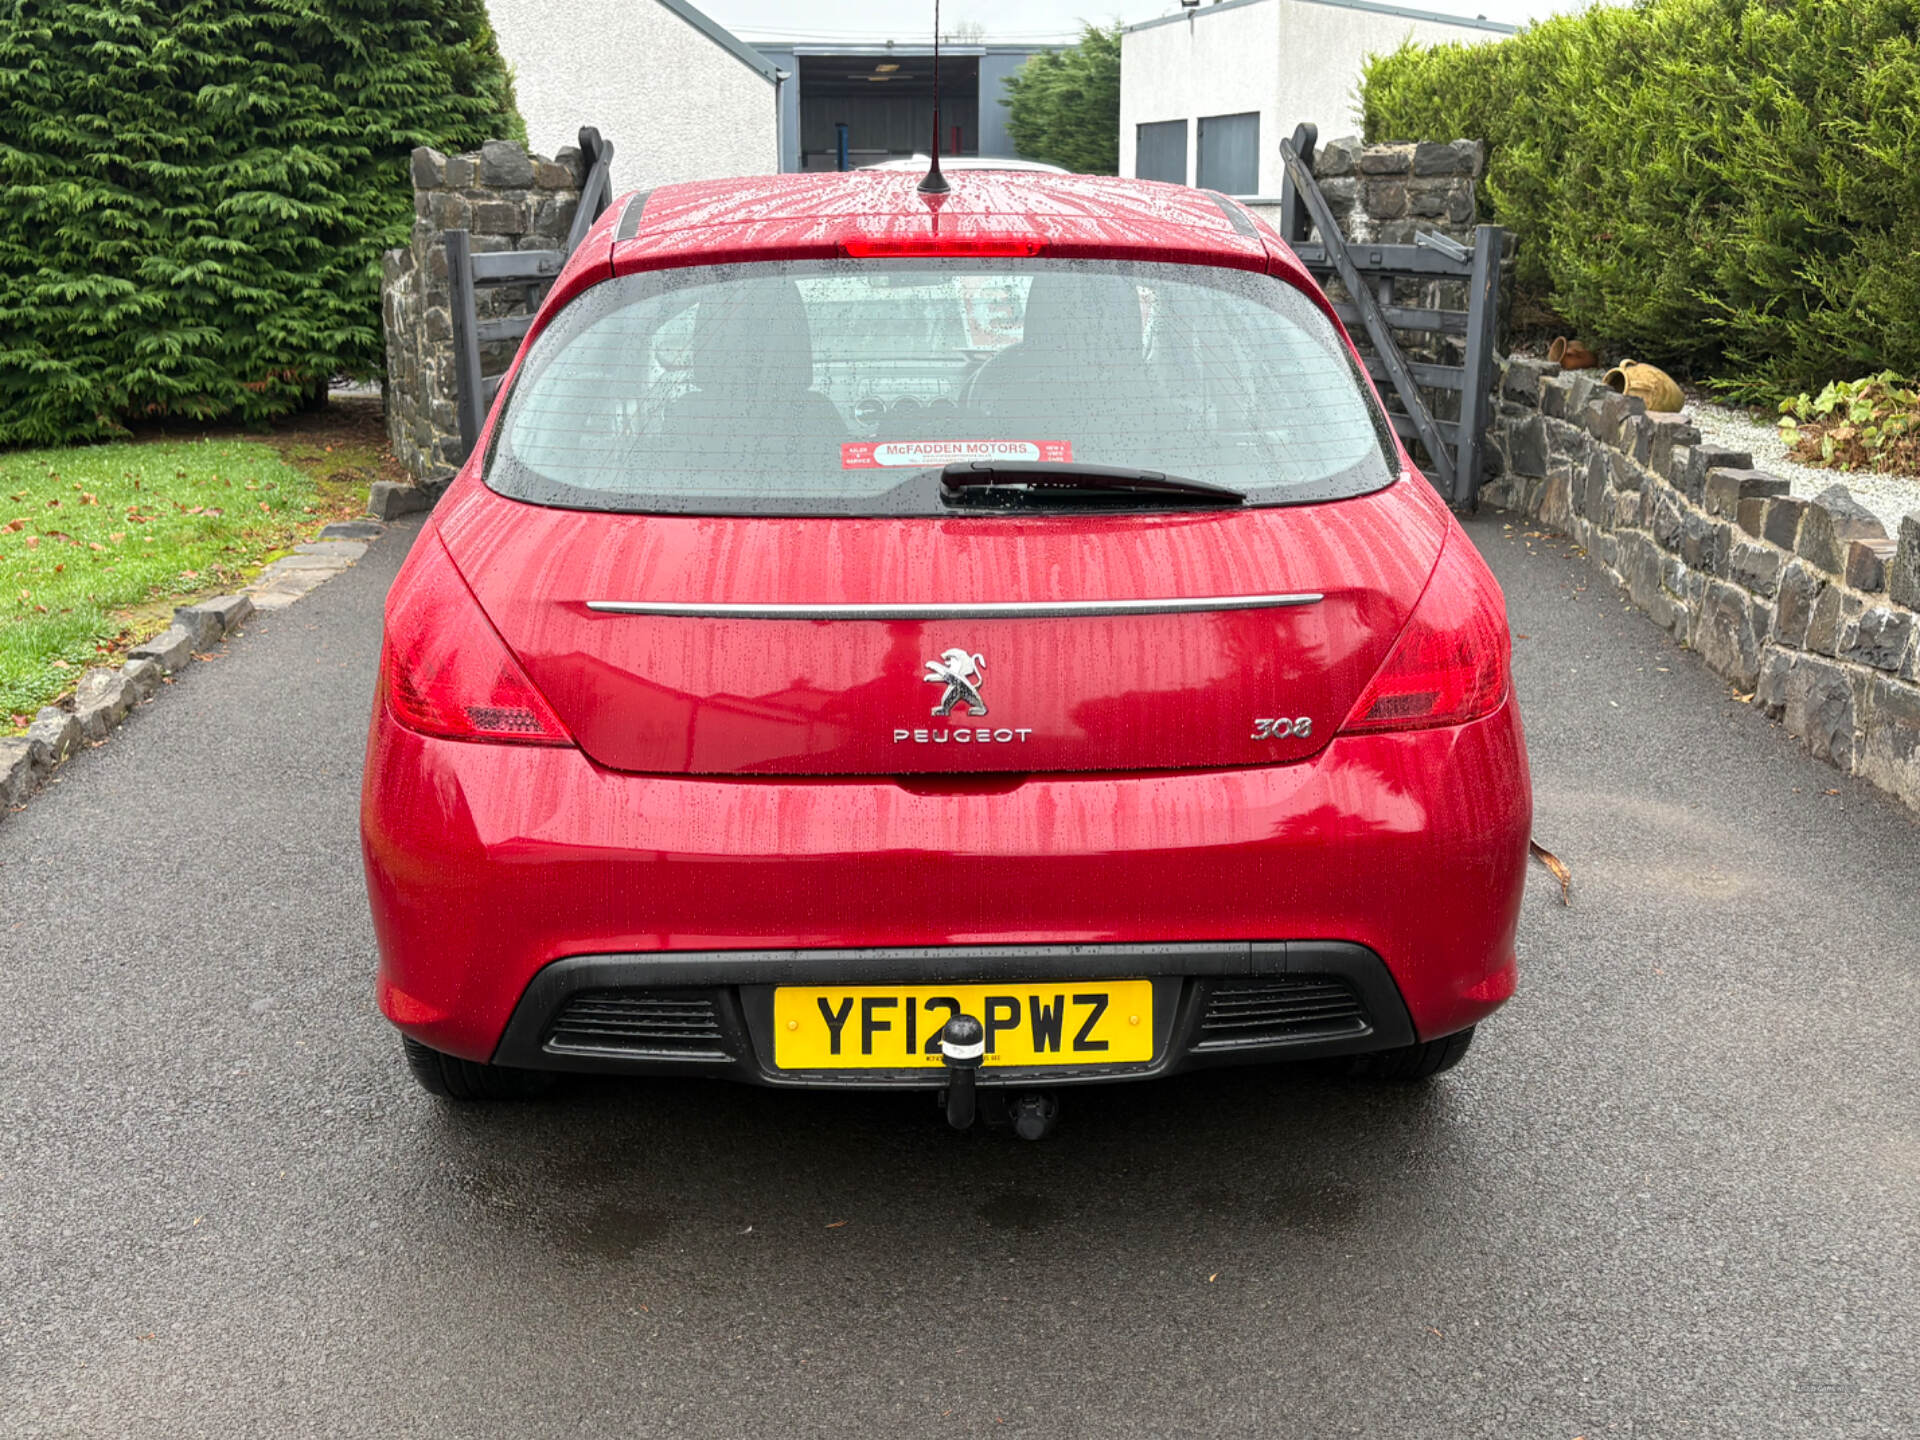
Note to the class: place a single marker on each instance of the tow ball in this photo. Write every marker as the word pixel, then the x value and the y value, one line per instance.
pixel 963 1045
pixel 963 1048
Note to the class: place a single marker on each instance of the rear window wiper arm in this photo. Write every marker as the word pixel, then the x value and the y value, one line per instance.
pixel 1038 478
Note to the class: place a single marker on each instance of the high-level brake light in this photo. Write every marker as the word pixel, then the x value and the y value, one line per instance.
pixel 887 247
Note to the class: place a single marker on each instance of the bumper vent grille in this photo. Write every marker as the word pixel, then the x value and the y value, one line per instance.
pixel 664 1023
pixel 1290 1007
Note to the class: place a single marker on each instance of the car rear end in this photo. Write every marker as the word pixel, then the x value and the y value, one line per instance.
pixel 807 657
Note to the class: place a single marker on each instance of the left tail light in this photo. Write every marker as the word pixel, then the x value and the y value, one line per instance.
pixel 445 671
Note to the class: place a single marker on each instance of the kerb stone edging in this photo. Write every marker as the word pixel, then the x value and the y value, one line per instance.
pixel 106 694
pixel 1807 606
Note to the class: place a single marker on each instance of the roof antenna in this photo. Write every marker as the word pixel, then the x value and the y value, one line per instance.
pixel 933 182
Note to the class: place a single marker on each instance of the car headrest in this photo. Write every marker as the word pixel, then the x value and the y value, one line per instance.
pixel 1083 316
pixel 752 335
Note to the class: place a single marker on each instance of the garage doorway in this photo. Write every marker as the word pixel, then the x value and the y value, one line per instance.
pixel 886 103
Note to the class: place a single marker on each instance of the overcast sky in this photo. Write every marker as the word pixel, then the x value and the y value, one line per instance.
pixel 831 21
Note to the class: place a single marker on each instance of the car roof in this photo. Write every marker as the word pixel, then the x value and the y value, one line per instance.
pixel 799 216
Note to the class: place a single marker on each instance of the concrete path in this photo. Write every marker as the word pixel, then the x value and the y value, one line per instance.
pixel 1673 1192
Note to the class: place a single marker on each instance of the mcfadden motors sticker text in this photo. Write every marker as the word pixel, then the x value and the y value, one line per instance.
pixel 919 454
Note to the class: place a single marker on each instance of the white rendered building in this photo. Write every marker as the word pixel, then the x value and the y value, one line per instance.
pixel 678 95
pixel 1208 94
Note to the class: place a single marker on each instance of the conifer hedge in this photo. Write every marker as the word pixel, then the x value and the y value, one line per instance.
pixel 1064 105
pixel 194 195
pixel 1730 187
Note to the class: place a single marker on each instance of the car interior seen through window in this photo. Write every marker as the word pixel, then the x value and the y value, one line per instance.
pixel 825 387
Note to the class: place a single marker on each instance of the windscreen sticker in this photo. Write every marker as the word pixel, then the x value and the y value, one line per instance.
pixel 918 454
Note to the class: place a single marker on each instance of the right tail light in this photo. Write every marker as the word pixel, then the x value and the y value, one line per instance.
pixel 1452 662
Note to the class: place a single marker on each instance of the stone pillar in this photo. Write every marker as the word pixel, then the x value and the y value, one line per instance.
pixel 1387 193
pixel 507 200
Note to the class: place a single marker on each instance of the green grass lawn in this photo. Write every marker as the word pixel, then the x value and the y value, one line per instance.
pixel 98 542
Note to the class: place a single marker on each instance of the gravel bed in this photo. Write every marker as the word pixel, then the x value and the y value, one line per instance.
pixel 1887 496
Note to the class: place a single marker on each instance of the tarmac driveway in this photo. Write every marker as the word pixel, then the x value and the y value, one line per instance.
pixel 1674 1191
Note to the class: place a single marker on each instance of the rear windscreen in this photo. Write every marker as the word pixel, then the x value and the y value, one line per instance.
pixel 828 386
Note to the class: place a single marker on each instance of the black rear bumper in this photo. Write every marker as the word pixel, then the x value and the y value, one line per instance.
pixel 711 1013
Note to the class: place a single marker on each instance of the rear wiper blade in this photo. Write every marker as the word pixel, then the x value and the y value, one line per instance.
pixel 1042 479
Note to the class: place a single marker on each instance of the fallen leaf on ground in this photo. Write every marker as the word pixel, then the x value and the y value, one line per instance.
pixel 835 1224
pixel 1558 866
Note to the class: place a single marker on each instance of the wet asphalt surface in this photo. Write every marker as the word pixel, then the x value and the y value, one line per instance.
pixel 1674 1190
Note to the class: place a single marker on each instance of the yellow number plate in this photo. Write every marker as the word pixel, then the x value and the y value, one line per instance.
pixel 896 1027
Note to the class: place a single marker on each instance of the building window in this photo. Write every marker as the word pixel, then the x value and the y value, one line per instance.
pixel 1230 153
pixel 1160 151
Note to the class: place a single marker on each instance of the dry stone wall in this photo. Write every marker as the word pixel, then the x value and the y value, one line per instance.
pixel 506 199
pixel 1808 605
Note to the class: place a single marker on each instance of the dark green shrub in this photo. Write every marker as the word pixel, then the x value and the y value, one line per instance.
pixel 1727 187
pixel 1064 105
pixel 194 195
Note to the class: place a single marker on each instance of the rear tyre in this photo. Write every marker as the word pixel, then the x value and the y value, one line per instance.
pixel 1415 1062
pixel 467 1081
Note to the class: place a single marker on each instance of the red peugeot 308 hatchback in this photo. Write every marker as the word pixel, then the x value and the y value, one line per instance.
pixel 866 610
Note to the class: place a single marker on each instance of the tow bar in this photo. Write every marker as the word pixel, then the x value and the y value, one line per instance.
pixel 963 1048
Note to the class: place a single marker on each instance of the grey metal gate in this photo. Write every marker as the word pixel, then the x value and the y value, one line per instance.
pixel 1374 278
